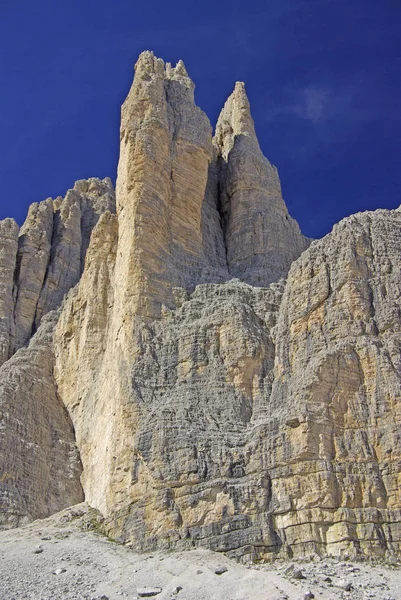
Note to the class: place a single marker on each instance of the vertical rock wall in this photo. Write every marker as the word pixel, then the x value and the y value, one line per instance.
pixel 39 461
pixel 40 466
pixel 8 252
pixel 165 384
pixel 336 397
pixel 164 225
pixel 42 261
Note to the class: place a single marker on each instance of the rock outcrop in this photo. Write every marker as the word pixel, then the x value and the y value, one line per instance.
pixel 336 398
pixel 8 252
pixel 165 236
pixel 42 261
pixel 212 402
pixel 40 465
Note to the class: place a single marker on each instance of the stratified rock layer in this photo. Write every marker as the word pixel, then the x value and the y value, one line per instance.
pixel 179 374
pixel 169 468
pixel 40 466
pixel 336 397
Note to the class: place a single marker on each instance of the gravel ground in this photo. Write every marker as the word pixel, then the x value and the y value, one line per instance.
pixel 59 558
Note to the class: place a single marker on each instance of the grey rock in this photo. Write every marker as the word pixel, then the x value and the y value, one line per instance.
pixel 253 416
pixel 177 589
pixel 39 460
pixel 297 574
pixel 147 592
pixel 342 584
pixel 34 247
pixel 8 255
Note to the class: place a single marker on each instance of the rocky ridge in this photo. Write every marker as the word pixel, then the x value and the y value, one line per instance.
pixel 227 383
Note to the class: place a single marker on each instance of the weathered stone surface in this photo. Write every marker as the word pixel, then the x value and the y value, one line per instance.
pixel 40 466
pixel 74 218
pixel 197 447
pixel 251 415
pixel 261 238
pixel 335 473
pixel 86 382
pixel 34 246
pixel 170 469
pixel 166 149
pixel 8 253
pixel 39 463
pixel 51 252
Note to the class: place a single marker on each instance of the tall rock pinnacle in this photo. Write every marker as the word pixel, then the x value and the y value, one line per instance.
pixel 166 149
pixel 261 238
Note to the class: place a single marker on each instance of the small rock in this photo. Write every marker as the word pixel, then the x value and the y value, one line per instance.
pixel 147 592
pixel 344 585
pixel 38 550
pixel 297 574
pixel 220 570
pixel 58 571
pixel 327 579
pixel 309 595
pixel 177 590
pixel 288 571
pixel 199 572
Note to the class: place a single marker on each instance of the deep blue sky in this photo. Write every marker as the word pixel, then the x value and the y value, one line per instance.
pixel 323 78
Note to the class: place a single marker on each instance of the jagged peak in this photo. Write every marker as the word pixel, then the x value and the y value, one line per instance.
pixel 234 119
pixel 148 66
pixel 94 185
pixel 179 73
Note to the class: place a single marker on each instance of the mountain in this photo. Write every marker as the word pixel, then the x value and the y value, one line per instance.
pixel 180 356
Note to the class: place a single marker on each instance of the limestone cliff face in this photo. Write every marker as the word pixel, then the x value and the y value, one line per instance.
pixel 164 456
pixel 174 348
pixel 212 402
pixel 8 253
pixel 336 396
pixel 46 258
pixel 40 465
pixel 165 236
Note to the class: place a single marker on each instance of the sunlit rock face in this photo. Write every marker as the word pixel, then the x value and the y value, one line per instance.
pixel 40 466
pixel 216 379
pixel 336 393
